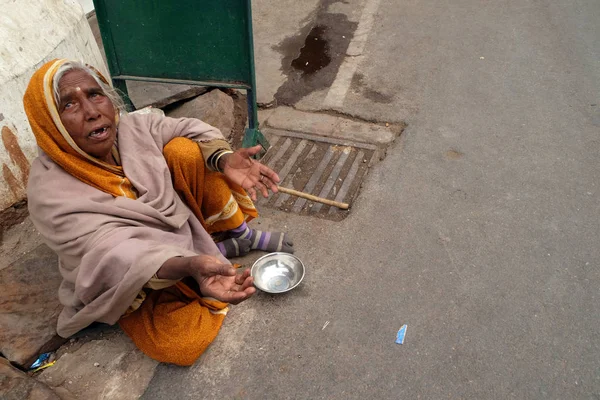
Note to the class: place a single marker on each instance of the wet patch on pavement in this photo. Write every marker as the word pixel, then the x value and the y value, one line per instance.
pixel 324 167
pixel 359 86
pixel 313 57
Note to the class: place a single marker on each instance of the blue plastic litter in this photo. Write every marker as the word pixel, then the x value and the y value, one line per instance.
pixel 401 334
pixel 41 360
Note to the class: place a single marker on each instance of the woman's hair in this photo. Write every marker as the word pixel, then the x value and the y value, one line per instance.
pixel 108 90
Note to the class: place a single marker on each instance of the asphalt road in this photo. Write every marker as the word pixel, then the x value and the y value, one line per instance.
pixel 480 229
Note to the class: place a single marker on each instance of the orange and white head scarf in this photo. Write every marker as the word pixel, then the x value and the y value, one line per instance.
pixel 57 143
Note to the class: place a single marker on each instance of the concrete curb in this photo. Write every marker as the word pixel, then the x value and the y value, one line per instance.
pixel 289 119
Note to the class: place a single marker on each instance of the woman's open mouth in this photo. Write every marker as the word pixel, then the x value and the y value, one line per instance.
pixel 99 134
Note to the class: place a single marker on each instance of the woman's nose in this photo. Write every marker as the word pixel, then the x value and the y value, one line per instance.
pixel 90 110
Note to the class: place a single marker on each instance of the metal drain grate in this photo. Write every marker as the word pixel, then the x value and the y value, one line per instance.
pixel 323 167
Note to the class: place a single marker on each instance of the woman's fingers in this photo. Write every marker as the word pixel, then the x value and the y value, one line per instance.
pixel 248 283
pixel 269 173
pixel 244 280
pixel 268 183
pixel 210 266
pixel 263 188
pixel 252 193
pixel 238 297
pixel 241 290
pixel 253 175
pixel 254 150
pixel 269 179
pixel 240 278
pixel 248 152
pixel 234 297
pixel 230 289
pixel 260 185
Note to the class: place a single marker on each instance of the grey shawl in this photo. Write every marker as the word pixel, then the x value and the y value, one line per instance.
pixel 109 247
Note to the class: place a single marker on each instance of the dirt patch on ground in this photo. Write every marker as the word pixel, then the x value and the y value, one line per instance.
pixel 358 83
pixel 453 154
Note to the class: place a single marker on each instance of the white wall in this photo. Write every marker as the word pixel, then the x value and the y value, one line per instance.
pixel 31 33
pixel 88 5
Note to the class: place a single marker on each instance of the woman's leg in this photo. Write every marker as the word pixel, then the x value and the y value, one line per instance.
pixel 221 206
pixel 175 324
pixel 260 240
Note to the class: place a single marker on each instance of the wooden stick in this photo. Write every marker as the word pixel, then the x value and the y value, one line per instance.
pixel 343 206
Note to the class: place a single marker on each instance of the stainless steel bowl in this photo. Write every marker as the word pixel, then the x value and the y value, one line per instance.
pixel 277 272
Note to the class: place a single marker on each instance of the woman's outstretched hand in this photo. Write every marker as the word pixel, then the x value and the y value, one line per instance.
pixel 250 174
pixel 221 281
pixel 229 289
pixel 215 278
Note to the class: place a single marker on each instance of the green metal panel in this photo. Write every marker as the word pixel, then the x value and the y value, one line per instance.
pixel 191 40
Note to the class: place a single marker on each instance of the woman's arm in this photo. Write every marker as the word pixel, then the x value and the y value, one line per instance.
pixel 215 278
pixel 164 129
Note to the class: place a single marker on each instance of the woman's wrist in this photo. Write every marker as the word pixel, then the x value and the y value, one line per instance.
pixel 175 268
pixel 222 160
pixel 213 160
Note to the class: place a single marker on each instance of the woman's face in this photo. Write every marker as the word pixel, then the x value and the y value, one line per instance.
pixel 87 114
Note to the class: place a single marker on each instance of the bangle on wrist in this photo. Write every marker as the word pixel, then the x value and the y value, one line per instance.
pixel 212 160
pixel 218 158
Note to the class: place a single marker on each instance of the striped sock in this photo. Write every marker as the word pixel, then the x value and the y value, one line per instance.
pixel 266 241
pixel 234 247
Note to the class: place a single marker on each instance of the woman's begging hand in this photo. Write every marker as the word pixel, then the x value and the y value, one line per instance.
pixel 220 280
pixel 229 289
pixel 250 174
pixel 215 278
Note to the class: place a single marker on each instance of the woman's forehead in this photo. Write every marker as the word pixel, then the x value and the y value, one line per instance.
pixel 76 80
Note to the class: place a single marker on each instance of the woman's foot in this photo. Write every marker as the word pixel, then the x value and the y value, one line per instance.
pixel 234 247
pixel 244 239
pixel 265 241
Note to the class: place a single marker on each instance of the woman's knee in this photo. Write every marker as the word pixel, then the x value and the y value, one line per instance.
pixel 182 151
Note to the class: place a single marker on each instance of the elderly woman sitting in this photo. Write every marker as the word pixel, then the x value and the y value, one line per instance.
pixel 129 204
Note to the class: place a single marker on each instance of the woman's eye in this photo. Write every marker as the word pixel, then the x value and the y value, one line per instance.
pixel 68 105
